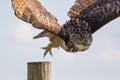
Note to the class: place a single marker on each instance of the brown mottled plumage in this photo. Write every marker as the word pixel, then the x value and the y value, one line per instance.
pixel 86 17
pixel 33 12
pixel 79 6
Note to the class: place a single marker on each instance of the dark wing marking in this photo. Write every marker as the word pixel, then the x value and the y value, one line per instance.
pixel 79 6
pixel 100 13
pixel 33 12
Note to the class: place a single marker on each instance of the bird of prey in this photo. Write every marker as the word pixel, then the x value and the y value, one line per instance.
pixel 75 35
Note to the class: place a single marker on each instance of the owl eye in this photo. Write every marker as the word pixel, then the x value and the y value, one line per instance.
pixel 81 37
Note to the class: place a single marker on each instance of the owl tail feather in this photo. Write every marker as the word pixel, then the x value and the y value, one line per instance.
pixel 40 35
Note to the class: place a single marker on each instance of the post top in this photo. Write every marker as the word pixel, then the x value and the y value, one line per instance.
pixel 47 62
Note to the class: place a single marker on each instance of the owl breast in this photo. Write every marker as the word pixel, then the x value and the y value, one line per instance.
pixel 77 44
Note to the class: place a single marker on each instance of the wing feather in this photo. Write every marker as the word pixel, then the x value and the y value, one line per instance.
pixel 33 12
pixel 100 13
pixel 79 6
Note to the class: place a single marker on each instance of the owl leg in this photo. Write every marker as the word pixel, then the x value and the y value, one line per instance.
pixel 53 41
pixel 48 49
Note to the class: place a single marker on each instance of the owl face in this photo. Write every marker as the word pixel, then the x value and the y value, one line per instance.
pixel 77 42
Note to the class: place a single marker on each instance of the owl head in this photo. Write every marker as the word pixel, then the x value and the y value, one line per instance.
pixel 76 36
pixel 77 42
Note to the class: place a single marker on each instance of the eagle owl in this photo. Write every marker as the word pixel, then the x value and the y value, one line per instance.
pixel 75 35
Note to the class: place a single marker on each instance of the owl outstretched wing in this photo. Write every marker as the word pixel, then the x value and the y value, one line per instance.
pixel 95 13
pixel 33 12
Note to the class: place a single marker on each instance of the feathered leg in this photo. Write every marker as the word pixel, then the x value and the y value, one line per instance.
pixel 54 42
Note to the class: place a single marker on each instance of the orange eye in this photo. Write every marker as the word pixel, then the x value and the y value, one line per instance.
pixel 81 37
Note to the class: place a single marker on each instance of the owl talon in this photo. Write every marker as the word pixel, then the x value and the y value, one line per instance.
pixel 47 50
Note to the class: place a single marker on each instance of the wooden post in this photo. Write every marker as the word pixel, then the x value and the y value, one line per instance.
pixel 39 71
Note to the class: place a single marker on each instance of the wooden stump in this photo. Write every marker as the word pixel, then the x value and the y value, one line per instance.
pixel 39 71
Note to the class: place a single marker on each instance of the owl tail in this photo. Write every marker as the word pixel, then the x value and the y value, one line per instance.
pixel 44 34
pixel 40 35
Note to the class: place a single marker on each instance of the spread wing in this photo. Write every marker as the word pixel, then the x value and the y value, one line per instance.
pixel 95 13
pixel 79 6
pixel 33 12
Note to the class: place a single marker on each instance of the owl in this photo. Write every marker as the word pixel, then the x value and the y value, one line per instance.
pixel 75 35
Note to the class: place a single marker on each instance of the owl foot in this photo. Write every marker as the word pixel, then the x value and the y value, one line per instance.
pixel 47 50
pixel 54 41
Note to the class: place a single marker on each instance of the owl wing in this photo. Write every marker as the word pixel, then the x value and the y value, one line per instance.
pixel 96 13
pixel 33 12
pixel 79 6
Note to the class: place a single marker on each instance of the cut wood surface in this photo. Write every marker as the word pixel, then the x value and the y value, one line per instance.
pixel 39 70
